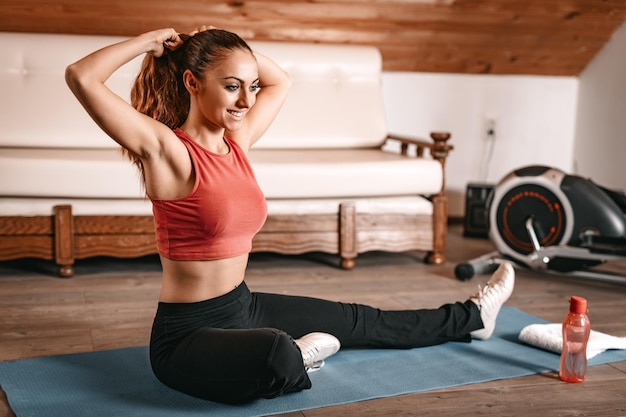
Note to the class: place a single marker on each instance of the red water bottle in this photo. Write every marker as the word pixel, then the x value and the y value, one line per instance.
pixel 576 330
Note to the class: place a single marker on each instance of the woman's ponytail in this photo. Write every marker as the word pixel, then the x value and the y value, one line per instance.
pixel 159 91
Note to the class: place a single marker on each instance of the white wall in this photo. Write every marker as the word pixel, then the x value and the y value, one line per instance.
pixel 534 115
pixel 600 139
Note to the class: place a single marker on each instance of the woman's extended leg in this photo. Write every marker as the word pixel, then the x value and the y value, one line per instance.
pixel 357 325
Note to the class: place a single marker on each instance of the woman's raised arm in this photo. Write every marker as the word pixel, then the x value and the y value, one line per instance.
pixel 275 84
pixel 136 132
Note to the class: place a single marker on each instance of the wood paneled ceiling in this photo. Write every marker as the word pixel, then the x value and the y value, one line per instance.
pixel 546 37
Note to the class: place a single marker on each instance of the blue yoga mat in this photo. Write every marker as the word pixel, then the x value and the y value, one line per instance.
pixel 120 383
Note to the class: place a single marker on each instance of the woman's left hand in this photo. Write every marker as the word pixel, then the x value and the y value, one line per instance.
pixel 201 29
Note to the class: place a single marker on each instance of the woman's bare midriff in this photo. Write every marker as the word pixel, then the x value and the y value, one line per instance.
pixel 191 281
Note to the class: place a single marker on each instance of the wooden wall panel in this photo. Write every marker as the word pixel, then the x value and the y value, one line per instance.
pixel 552 37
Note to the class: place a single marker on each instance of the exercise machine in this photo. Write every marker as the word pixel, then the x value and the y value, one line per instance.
pixel 543 219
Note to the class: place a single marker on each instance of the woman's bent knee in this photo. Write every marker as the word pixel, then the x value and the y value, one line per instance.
pixel 265 364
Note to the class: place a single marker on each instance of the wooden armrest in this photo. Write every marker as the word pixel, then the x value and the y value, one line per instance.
pixel 439 148
pixel 410 140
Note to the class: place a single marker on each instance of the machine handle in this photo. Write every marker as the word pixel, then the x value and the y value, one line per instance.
pixel 481 265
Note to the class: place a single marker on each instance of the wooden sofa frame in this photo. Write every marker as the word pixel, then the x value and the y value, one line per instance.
pixel 64 238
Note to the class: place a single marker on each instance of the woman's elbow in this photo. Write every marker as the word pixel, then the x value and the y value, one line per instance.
pixel 74 78
pixel 71 77
pixel 286 80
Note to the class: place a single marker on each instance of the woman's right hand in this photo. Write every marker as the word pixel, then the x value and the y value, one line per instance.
pixel 165 40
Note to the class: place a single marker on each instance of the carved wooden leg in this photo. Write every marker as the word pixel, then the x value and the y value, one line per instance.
pixel 64 240
pixel 347 234
pixel 440 230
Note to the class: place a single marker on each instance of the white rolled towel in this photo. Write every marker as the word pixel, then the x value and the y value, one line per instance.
pixel 549 337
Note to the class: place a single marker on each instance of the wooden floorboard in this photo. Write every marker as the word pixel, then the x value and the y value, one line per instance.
pixel 110 304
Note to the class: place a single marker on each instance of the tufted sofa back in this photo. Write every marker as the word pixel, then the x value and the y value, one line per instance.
pixel 336 99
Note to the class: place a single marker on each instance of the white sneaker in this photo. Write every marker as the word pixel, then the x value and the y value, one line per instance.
pixel 316 347
pixel 490 298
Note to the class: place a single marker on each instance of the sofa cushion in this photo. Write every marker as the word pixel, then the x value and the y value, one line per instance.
pixel 318 173
pixel 310 173
pixel 336 99
pixel 335 102
pixel 38 109
pixel 75 173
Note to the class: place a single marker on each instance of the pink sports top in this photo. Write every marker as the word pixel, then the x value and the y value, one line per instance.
pixel 221 214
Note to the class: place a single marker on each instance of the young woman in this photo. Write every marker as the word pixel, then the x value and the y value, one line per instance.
pixel 198 105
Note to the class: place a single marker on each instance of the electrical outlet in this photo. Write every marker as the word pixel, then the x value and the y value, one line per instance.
pixel 490 127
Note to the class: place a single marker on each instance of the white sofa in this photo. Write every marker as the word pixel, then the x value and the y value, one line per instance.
pixel 332 182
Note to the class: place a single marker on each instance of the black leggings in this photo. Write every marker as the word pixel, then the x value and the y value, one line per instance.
pixel 239 346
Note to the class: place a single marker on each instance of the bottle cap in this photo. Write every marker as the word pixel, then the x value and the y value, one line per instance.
pixel 578 305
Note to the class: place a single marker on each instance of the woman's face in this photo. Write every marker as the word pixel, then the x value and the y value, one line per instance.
pixel 228 91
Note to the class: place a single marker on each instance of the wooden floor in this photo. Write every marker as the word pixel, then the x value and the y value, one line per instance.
pixel 111 303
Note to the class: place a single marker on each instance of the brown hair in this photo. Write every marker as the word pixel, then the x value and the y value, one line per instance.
pixel 159 91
